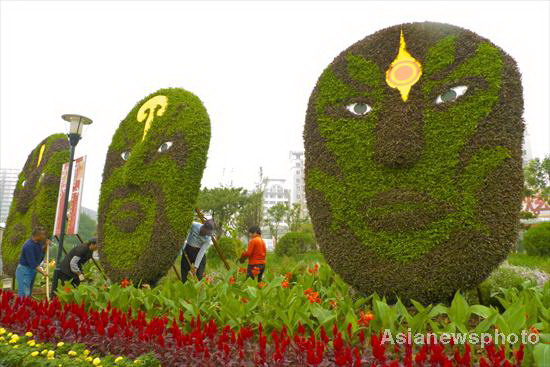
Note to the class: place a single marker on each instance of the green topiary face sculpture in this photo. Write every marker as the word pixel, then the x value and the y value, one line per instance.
pixel 413 160
pixel 35 197
pixel 151 180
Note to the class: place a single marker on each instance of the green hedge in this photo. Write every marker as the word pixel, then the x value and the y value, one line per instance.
pixel 231 248
pixel 150 185
pixel 295 243
pixel 34 198
pixel 536 240
pixel 416 199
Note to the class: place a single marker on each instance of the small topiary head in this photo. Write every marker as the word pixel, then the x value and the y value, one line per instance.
pixel 150 184
pixel 35 197
pixel 413 160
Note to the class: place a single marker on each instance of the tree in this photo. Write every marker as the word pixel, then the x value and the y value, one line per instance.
pixel 294 217
pixel 252 213
pixel 537 178
pixel 87 228
pixel 276 215
pixel 223 203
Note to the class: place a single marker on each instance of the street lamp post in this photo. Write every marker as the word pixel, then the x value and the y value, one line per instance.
pixel 77 123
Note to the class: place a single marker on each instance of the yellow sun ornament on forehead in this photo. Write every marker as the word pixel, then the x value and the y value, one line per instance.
pixel 40 154
pixel 404 71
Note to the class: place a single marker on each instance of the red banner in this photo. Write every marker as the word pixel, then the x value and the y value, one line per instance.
pixel 60 199
pixel 76 195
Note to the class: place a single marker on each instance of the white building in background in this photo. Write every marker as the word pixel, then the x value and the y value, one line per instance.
pixel 298 194
pixel 8 181
pixel 275 192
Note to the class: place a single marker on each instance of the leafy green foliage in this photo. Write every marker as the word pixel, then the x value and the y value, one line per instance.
pixel 150 185
pixel 294 217
pixel 416 199
pixel 295 243
pixel 276 215
pixel 223 203
pixel 35 197
pixel 230 247
pixel 537 178
pixel 251 213
pixel 536 240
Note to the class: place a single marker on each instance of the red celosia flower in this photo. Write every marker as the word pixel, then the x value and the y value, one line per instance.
pixel 255 271
pixel 284 284
pixel 124 283
pixel 232 280
pixel 365 318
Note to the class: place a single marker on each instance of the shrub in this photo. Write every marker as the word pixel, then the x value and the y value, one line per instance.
pixel 35 197
pixel 151 181
pixel 231 248
pixel 536 240
pixel 295 243
pixel 416 195
pixel 507 277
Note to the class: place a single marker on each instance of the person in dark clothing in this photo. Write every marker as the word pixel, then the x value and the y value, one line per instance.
pixel 30 259
pixel 71 266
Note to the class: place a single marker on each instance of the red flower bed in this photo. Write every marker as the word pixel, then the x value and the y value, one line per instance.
pixel 195 342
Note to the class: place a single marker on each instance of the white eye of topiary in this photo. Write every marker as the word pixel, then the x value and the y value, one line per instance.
pixel 125 155
pixel 451 95
pixel 41 177
pixel 359 109
pixel 165 146
pixel 24 183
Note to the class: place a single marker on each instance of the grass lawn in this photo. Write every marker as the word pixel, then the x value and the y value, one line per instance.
pixel 533 262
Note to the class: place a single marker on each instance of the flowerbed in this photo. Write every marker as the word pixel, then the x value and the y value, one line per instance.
pixel 192 341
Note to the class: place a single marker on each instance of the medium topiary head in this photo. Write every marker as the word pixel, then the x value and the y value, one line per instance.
pixel 151 180
pixel 413 160
pixel 35 197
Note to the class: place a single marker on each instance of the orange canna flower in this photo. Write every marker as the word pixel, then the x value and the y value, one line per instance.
pixel 365 318
pixel 232 280
pixel 333 304
pixel 208 280
pixel 261 284
pixel 308 291
pixel 288 276
pixel 314 298
pixel 315 269
pixel 242 270
pixel 244 300
pixel 284 284
pixel 534 330
pixel 67 289
pixel 124 283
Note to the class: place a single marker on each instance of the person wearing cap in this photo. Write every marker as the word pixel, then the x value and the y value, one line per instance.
pixel 194 249
pixel 255 254
pixel 71 265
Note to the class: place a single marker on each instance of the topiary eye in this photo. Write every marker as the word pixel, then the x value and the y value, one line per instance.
pixel 125 155
pixel 165 146
pixel 23 183
pixel 451 95
pixel 359 109
pixel 41 178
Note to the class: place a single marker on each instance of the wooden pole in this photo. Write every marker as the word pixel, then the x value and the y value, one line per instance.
pixel 176 271
pixel 48 272
pixel 95 262
pixel 214 240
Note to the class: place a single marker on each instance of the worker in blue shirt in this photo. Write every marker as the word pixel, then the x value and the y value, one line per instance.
pixel 194 249
pixel 30 260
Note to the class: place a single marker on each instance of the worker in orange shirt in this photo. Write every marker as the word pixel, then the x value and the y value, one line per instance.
pixel 255 254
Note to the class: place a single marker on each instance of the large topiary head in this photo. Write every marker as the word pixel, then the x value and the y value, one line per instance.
pixel 35 197
pixel 413 160
pixel 151 180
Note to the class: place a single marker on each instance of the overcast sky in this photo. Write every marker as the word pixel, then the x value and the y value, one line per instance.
pixel 252 64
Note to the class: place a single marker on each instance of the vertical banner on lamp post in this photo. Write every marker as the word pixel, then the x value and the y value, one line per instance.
pixel 60 200
pixel 76 195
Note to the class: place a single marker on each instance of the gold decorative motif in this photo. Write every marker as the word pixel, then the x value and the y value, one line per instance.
pixel 404 70
pixel 40 154
pixel 148 111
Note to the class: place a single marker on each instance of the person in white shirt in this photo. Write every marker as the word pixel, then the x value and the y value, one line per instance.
pixel 194 249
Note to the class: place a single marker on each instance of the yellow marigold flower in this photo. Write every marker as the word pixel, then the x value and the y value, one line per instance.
pixel 137 361
pixel 72 353
pixel 9 335
pixel 34 354
pixel 86 352
pixel 118 359
pixel 31 343
pixel 2 338
pixel 2 331
pixel 89 359
pixel 96 361
pixel 51 353
pixel 15 346
pixel 44 352
pixel 28 333
pixel 60 344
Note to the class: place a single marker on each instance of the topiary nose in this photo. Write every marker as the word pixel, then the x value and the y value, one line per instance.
pixel 399 139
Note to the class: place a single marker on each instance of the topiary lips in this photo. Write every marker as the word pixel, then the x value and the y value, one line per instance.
pixel 34 199
pixel 151 181
pixel 413 160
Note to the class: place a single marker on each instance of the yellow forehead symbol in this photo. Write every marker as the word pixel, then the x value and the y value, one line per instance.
pixel 404 71
pixel 148 111
pixel 40 154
